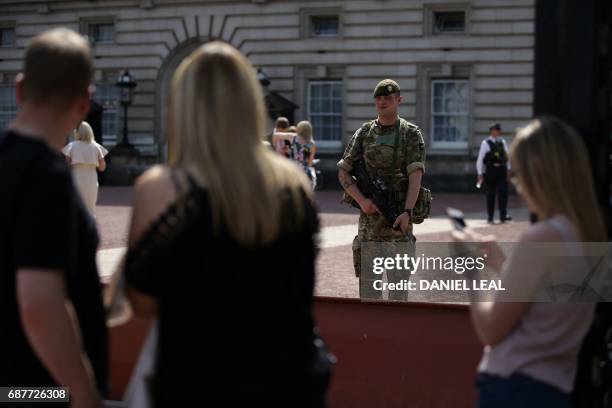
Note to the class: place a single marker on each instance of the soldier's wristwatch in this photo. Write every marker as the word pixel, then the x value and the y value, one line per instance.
pixel 409 211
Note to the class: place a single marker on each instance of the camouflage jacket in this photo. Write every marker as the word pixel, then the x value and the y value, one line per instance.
pixel 374 144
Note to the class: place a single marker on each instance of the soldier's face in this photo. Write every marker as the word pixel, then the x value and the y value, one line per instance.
pixel 387 105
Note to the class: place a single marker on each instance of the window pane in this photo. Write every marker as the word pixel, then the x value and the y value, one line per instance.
pixel 337 91
pixel 337 106
pixel 105 32
pixel 438 134
pixel 449 87
pixel 324 26
pixel 462 128
pixel 326 105
pixel 449 22
pixel 315 91
pixel 8 105
pixel 7 37
pixel 7 98
pixel 437 105
pixel 326 91
pixel 462 89
pixel 315 121
pixel 337 122
pixel 316 105
pixel 438 89
pixel 101 33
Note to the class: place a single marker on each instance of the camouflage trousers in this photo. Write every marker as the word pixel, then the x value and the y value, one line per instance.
pixel 381 240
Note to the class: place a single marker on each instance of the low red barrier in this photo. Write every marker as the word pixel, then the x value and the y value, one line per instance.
pixel 389 354
pixel 394 354
pixel 125 343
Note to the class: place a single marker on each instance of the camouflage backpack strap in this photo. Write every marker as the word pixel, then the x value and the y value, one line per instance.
pixel 394 160
pixel 395 146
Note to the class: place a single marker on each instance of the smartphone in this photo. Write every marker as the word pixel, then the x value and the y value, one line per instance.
pixel 456 217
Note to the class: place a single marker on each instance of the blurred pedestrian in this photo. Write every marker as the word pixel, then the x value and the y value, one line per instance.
pixel 281 137
pixel 531 349
pixel 209 245
pixel 87 158
pixel 493 167
pixel 281 123
pixel 303 150
pixel 51 312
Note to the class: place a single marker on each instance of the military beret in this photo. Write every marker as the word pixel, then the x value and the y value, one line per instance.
pixel 386 87
pixel 495 126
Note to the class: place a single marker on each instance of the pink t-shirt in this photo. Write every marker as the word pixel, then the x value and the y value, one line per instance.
pixel 546 341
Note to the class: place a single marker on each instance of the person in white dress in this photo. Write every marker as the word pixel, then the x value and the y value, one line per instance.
pixel 86 156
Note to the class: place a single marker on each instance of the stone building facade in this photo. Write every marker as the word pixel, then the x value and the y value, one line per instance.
pixel 461 64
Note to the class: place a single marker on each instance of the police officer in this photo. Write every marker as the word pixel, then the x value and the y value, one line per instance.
pixel 392 149
pixel 493 167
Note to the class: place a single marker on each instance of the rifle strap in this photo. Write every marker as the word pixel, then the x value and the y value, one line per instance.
pixel 394 162
pixel 395 144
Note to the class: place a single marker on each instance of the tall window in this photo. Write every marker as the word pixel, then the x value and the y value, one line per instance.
pixel 8 104
pixel 450 113
pixel 107 95
pixel 325 112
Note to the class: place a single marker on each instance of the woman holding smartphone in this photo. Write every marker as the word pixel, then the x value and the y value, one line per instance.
pixel 531 349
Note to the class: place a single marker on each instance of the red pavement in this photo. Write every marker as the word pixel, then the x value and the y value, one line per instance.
pixel 113 216
pixel 113 212
pixel 335 276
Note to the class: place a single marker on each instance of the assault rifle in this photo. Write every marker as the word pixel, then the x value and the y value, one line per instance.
pixel 376 190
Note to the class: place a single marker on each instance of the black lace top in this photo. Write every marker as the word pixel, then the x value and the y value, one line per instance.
pixel 235 323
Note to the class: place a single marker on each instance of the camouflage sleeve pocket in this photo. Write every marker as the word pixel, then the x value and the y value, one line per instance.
pixel 415 152
pixel 352 153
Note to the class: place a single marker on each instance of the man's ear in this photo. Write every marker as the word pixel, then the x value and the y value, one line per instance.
pixel 19 89
pixel 400 99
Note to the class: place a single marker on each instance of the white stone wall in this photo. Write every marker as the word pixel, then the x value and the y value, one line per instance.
pixel 379 38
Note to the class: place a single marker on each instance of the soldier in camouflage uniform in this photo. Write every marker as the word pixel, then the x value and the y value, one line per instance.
pixel 374 143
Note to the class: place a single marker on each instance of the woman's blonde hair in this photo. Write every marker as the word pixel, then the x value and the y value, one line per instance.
pixel 216 122
pixel 84 133
pixel 304 130
pixel 552 168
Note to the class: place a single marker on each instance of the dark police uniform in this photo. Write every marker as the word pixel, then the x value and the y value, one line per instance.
pixel 493 164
